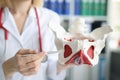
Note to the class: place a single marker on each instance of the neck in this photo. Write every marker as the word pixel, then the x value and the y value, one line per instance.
pixel 20 6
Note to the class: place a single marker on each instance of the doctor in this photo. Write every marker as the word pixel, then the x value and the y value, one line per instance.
pixel 25 39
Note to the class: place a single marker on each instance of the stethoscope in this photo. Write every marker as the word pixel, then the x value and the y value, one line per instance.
pixel 39 32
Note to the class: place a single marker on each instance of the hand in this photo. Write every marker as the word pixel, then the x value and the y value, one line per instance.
pixel 26 62
pixel 61 67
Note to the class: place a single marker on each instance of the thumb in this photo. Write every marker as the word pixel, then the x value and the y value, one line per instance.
pixel 42 55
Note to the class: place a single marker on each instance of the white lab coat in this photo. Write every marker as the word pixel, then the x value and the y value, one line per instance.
pixel 29 40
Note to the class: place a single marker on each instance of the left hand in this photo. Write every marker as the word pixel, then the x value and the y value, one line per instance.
pixel 61 67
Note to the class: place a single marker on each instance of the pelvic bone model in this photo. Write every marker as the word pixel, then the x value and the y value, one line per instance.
pixel 79 47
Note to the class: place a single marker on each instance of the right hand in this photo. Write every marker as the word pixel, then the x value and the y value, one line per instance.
pixel 26 61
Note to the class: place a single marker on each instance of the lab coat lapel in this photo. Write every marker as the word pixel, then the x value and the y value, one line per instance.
pixel 29 21
pixel 9 24
pixel 29 25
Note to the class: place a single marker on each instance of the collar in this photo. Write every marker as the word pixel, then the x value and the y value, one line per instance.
pixel 31 11
pixel 8 22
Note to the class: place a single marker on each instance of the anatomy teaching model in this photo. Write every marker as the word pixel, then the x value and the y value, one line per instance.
pixel 77 46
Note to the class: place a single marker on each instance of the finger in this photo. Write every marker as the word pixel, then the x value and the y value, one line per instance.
pixel 30 58
pixel 30 71
pixel 24 68
pixel 27 51
pixel 23 59
pixel 33 57
pixel 42 55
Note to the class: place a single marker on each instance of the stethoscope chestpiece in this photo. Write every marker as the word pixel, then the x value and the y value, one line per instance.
pixel 45 59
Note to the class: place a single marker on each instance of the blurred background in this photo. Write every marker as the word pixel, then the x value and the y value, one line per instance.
pixel 96 13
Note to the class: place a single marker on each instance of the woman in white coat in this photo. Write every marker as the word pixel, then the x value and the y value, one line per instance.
pixel 25 39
